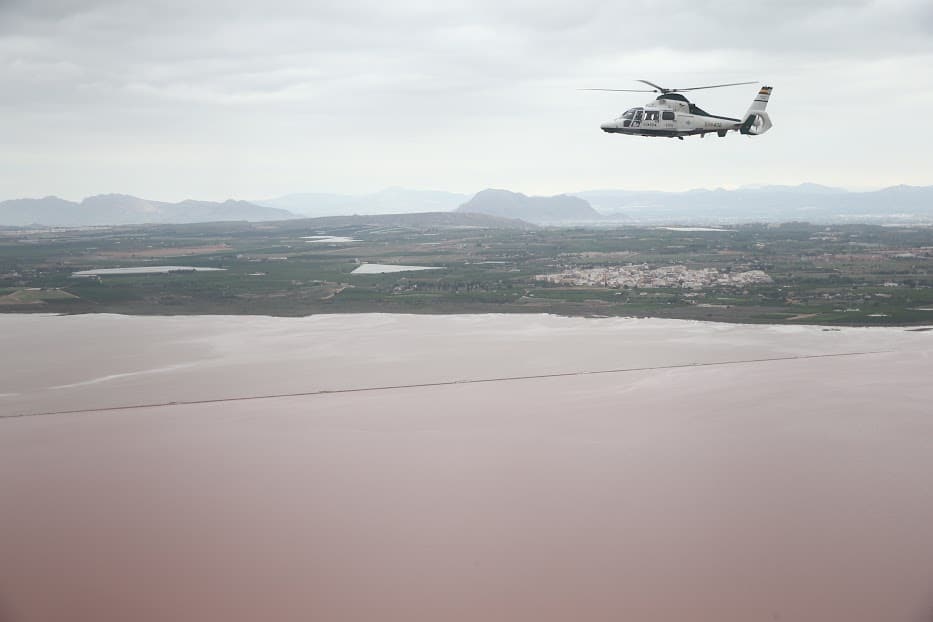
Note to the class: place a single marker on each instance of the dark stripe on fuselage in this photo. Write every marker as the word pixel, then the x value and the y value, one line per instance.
pixel 712 116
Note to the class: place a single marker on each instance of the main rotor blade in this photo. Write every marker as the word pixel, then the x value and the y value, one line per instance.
pixel 659 89
pixel 714 86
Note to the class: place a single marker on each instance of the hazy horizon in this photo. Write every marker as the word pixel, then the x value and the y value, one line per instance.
pixel 468 193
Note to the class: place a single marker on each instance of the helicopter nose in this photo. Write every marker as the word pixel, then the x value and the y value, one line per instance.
pixel 609 126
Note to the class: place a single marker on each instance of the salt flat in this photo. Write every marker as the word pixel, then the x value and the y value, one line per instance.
pixel 697 229
pixel 382 268
pixel 644 473
pixel 328 239
pixel 143 270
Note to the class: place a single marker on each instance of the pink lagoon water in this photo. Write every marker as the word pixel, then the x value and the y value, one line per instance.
pixel 694 486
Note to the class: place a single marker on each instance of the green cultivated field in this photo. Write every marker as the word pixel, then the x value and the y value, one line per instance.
pixel 843 275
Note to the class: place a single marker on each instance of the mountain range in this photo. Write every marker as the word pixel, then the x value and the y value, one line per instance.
pixel 122 209
pixel 766 203
pixel 804 202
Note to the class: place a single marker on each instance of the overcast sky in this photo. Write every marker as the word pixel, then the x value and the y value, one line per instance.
pixel 171 99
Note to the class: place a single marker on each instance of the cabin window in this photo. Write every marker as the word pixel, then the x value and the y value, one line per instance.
pixel 651 115
pixel 667 115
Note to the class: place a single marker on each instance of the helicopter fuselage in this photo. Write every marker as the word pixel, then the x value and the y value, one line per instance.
pixel 671 115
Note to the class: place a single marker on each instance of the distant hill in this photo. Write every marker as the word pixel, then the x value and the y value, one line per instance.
pixel 388 201
pixel 121 209
pixel 419 220
pixel 506 204
pixel 806 202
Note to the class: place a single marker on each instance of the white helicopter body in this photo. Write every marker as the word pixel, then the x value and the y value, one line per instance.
pixel 672 115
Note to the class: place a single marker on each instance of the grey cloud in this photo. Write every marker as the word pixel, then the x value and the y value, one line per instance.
pixel 256 51
pixel 210 70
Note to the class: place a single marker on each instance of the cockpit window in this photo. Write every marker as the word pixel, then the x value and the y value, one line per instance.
pixel 628 114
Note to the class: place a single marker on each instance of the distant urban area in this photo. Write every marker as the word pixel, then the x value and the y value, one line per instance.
pixel 646 277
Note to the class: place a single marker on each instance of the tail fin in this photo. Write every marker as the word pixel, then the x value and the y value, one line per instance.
pixel 757 120
pixel 761 100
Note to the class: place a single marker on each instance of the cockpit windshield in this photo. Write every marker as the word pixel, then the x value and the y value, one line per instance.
pixel 630 113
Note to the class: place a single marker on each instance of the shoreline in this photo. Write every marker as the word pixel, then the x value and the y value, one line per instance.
pixel 33 311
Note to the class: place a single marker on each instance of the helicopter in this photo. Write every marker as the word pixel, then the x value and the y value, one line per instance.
pixel 673 116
